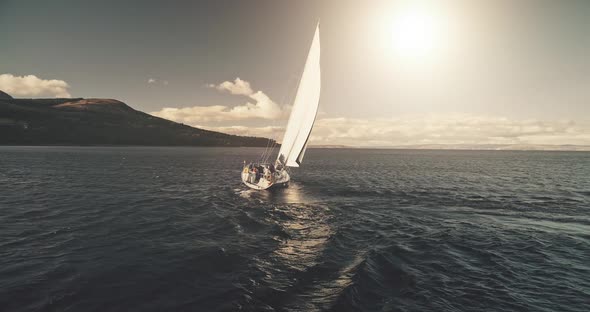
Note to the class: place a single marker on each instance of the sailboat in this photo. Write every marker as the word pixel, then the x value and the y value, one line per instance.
pixel 262 176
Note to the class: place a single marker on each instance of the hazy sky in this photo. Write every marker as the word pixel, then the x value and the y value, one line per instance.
pixel 394 72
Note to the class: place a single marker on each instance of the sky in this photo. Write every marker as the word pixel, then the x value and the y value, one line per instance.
pixel 393 72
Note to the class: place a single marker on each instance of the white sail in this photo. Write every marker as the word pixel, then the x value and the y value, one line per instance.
pixel 304 109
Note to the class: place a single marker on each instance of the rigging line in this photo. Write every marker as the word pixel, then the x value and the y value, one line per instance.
pixel 291 93
pixel 266 154
pixel 263 156
pixel 274 134
pixel 269 152
pixel 263 153
pixel 274 143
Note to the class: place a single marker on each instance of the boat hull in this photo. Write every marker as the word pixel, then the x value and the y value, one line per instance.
pixel 279 179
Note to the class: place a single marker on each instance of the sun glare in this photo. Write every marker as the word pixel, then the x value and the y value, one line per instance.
pixel 416 32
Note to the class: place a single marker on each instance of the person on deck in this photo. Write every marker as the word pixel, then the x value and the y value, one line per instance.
pixel 258 174
pixel 252 175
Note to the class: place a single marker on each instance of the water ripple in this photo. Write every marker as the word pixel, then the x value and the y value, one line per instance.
pixel 152 229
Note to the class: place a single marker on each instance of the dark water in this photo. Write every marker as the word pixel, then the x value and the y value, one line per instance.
pixel 172 229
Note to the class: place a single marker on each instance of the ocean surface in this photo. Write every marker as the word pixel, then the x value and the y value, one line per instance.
pixel 173 229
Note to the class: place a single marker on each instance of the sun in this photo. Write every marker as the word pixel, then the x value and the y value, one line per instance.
pixel 416 32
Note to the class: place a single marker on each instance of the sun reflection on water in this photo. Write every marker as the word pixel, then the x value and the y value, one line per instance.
pixel 304 221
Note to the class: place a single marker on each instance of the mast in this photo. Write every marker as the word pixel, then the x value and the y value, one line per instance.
pixel 305 108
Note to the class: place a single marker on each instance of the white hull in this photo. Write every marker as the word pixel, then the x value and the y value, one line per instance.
pixel 278 179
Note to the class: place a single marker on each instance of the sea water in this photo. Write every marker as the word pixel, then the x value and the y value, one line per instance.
pixel 172 229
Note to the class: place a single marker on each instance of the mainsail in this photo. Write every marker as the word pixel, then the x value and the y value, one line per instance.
pixel 304 109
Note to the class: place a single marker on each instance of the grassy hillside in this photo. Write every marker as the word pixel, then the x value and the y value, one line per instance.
pixel 99 122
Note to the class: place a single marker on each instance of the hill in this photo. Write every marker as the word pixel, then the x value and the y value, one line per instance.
pixel 99 122
pixel 5 96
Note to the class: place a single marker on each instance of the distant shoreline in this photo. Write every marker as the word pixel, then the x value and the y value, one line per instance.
pixel 474 147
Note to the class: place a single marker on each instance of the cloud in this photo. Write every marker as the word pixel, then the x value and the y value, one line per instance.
pixel 448 129
pixel 460 129
pixel 198 114
pixel 31 85
pixel 273 132
pixel 238 87
pixel 433 129
pixel 262 107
